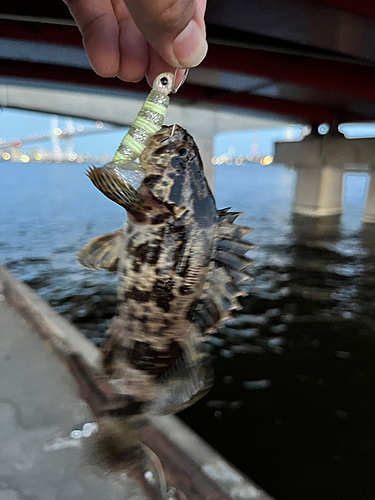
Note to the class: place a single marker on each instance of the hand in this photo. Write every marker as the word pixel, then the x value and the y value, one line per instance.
pixel 141 37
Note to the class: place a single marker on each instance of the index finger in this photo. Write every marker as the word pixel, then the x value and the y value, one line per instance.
pixel 98 25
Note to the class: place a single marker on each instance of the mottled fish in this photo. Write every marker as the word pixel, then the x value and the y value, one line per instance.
pixel 179 262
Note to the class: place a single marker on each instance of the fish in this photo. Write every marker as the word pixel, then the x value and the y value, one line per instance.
pixel 180 262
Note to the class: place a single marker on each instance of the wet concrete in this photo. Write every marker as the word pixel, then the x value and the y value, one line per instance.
pixel 42 456
pixel 47 434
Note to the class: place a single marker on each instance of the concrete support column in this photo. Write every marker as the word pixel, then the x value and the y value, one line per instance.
pixel 368 214
pixel 318 191
pixel 205 146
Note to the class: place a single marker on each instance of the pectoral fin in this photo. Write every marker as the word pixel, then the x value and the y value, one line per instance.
pixel 102 252
pixel 112 184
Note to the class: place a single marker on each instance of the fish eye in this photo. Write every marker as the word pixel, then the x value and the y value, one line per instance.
pixel 182 151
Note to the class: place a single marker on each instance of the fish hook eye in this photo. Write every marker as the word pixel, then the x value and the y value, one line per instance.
pixel 182 152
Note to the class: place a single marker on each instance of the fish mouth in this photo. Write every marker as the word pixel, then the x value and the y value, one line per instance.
pixel 132 173
pixel 156 141
pixel 162 135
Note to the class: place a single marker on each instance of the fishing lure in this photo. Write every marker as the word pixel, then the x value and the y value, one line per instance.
pixel 124 166
pixel 149 121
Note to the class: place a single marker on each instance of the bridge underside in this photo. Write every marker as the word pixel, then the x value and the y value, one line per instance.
pixel 307 61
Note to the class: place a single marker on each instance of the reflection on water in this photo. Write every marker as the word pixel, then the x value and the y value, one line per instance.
pixel 293 405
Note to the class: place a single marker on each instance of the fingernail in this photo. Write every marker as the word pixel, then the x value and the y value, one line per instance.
pixel 190 47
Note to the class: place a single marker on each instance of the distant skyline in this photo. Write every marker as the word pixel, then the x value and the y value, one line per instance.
pixel 16 124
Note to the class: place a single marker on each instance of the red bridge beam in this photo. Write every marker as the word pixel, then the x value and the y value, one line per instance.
pixel 59 34
pixel 349 79
pixel 364 7
pixel 302 111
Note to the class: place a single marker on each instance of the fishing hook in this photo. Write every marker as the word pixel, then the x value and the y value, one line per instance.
pixel 173 129
pixel 174 88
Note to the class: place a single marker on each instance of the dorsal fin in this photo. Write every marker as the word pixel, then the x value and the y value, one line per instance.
pixel 102 252
pixel 229 270
pixel 230 231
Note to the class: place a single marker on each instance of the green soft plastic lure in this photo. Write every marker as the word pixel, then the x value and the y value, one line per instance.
pixel 149 120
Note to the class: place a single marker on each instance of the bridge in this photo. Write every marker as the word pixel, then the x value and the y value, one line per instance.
pixel 13 150
pixel 270 62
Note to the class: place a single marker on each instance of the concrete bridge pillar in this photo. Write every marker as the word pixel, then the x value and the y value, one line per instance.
pixel 206 151
pixel 368 214
pixel 320 161
pixel 318 191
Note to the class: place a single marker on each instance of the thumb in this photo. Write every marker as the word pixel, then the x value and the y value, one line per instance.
pixel 174 28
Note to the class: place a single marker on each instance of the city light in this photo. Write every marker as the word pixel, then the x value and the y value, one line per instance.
pixel 227 159
pixel 323 128
pixel 72 156
pixel 59 149
pixel 267 160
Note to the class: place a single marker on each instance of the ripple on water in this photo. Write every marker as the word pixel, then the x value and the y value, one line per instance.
pixel 287 368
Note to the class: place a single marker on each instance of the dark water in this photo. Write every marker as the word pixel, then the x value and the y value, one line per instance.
pixel 294 400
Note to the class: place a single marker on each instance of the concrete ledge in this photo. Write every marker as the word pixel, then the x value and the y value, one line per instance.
pixel 195 469
pixel 209 461
pixel 56 331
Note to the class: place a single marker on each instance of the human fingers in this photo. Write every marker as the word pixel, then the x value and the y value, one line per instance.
pixel 174 28
pixel 134 55
pixel 157 65
pixel 98 25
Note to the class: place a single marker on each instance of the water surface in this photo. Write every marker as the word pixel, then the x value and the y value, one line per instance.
pixel 294 403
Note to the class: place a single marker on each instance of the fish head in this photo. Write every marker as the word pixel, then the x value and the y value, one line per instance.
pixel 169 180
pixel 173 169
